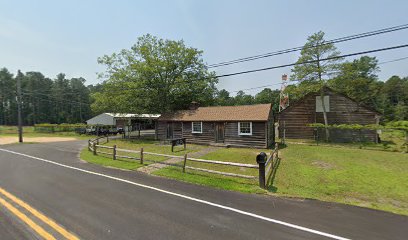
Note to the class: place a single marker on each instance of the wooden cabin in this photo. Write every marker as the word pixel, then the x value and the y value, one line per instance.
pixel 340 109
pixel 238 126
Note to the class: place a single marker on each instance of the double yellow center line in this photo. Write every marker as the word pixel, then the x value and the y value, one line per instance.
pixel 37 228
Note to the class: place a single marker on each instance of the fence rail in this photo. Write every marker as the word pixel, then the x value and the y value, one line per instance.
pixel 269 163
pixel 267 171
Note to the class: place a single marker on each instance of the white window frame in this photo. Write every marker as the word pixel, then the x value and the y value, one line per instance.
pixel 245 134
pixel 192 127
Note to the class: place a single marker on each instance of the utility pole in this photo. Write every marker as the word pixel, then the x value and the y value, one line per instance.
pixel 20 120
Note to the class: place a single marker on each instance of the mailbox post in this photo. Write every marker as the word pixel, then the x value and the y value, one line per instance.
pixel 261 159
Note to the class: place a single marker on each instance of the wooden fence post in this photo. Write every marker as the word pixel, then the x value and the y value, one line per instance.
pixel 261 159
pixel 89 145
pixel 107 139
pixel 94 148
pixel 184 164
pixel 114 152
pixel 97 141
pixel 141 156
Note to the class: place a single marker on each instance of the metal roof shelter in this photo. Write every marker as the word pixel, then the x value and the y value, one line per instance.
pixel 109 119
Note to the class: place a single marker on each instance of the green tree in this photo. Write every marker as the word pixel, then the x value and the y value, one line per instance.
pixel 310 66
pixel 243 99
pixel 223 98
pixel 155 76
pixel 8 102
pixel 268 95
pixel 394 96
pixel 358 80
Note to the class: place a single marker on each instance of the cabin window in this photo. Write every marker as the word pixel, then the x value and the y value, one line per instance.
pixel 245 128
pixel 197 127
pixel 319 107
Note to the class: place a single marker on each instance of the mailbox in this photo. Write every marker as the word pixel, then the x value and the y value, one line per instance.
pixel 261 158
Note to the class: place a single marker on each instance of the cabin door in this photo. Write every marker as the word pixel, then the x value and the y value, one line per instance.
pixel 169 131
pixel 219 132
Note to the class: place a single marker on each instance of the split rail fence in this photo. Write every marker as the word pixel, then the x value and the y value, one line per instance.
pixel 94 145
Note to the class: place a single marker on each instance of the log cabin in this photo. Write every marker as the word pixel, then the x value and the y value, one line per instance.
pixel 293 121
pixel 236 126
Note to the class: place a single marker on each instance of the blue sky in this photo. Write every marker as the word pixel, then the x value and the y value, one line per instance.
pixel 68 36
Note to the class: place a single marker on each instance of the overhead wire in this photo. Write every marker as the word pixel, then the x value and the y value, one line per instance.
pixel 337 40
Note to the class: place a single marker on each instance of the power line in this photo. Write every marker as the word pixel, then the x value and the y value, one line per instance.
pixel 276 67
pixel 254 88
pixel 55 98
pixel 338 40
pixel 312 61
pixel 333 72
pixel 395 60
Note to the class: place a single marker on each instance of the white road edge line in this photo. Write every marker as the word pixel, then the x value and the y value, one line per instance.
pixel 187 197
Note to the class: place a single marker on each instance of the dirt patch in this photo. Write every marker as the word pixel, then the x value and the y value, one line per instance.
pixel 323 165
pixel 8 140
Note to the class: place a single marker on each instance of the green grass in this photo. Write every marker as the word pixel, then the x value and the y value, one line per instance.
pixel 362 177
pixel 391 141
pixel 212 180
pixel 109 162
pixel 136 144
pixel 239 155
pixel 28 131
pixel 368 178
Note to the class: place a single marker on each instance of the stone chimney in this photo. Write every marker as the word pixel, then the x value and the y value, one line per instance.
pixel 194 105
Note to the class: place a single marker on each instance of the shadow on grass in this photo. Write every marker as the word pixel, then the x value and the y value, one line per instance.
pixel 271 178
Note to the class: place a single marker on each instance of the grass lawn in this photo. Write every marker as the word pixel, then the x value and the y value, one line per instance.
pixel 368 178
pixel 391 140
pixel 363 177
pixel 136 144
pixel 28 131
pixel 240 155
pixel 108 162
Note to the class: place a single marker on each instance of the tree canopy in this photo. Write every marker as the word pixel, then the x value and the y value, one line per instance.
pixel 154 76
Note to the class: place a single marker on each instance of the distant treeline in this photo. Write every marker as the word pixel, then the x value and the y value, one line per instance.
pixel 44 100
pixel 63 100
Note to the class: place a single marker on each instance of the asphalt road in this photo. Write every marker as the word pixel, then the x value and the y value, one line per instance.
pixel 93 202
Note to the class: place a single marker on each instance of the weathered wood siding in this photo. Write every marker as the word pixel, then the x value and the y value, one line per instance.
pixel 258 139
pixel 342 111
pixel 162 129
pixel 206 137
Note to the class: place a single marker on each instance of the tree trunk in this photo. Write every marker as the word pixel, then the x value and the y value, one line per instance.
pixel 326 122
